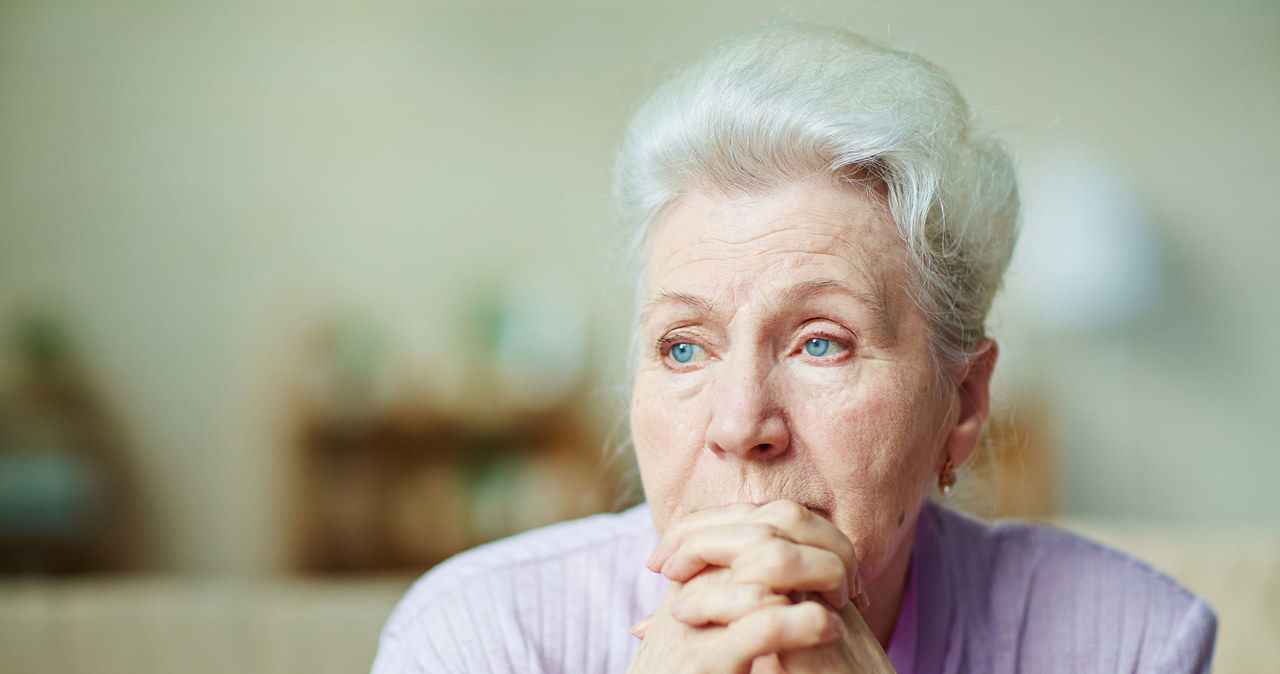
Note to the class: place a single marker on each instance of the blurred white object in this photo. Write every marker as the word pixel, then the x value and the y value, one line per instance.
pixel 1087 259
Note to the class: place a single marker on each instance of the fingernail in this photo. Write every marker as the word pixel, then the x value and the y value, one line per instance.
pixel 863 602
pixel 666 568
pixel 653 558
pixel 638 629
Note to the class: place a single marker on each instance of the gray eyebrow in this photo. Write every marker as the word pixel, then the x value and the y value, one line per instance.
pixel 806 289
pixel 874 300
pixel 700 305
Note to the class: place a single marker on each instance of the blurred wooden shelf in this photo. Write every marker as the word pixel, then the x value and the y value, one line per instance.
pixel 408 489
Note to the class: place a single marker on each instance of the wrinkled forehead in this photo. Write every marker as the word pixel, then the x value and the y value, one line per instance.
pixel 733 249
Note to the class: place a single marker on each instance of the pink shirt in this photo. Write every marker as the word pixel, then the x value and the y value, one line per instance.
pixel 902 645
pixel 1003 597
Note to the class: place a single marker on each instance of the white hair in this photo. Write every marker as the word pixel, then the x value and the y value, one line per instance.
pixel 786 103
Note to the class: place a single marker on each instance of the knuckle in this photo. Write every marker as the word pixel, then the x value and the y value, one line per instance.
pixel 832 566
pixel 762 533
pixel 780 558
pixel 771 624
pixel 787 513
pixel 763 596
pixel 847 554
pixel 810 617
pixel 760 594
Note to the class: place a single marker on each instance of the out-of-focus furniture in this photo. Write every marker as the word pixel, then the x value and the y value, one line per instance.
pixel 411 487
pixel 167 624
pixel 139 625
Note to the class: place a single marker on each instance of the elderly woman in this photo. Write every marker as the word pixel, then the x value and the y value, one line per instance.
pixel 820 232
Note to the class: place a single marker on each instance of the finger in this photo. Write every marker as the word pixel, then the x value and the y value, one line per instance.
pixel 760 553
pixel 641 627
pixel 786 567
pixel 797 522
pixel 857 647
pixel 764 554
pixel 678 530
pixel 723 604
pixel 768 664
pixel 776 629
pixel 717 545
pixel 804 526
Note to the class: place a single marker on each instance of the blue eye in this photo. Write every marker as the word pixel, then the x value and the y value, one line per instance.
pixel 682 352
pixel 817 347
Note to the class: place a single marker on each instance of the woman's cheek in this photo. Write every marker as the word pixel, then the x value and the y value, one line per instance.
pixel 862 446
pixel 661 428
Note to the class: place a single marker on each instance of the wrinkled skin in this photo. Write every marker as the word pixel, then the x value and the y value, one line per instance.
pixel 783 361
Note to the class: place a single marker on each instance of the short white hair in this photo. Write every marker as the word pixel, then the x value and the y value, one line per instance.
pixel 786 103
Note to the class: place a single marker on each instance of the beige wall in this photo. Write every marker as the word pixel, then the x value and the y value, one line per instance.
pixel 198 186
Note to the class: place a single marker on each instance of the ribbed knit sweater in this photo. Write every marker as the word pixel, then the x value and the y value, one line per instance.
pixel 990 598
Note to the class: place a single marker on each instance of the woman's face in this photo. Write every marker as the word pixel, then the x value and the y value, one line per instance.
pixel 783 359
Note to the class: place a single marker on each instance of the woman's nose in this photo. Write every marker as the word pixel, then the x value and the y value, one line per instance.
pixel 747 419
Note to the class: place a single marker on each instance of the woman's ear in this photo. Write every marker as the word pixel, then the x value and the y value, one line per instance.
pixel 973 396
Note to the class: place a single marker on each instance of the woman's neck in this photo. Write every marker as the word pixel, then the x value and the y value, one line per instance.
pixel 885 592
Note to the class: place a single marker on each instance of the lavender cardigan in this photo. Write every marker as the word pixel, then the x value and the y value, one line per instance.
pixel 1006 597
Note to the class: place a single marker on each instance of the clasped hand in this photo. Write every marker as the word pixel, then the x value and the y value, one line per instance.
pixel 757 589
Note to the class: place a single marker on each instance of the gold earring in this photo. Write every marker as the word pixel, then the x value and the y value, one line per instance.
pixel 946 478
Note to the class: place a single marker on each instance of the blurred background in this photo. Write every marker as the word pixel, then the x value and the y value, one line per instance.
pixel 296 302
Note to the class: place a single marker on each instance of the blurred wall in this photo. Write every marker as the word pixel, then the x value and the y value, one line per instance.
pixel 198 186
